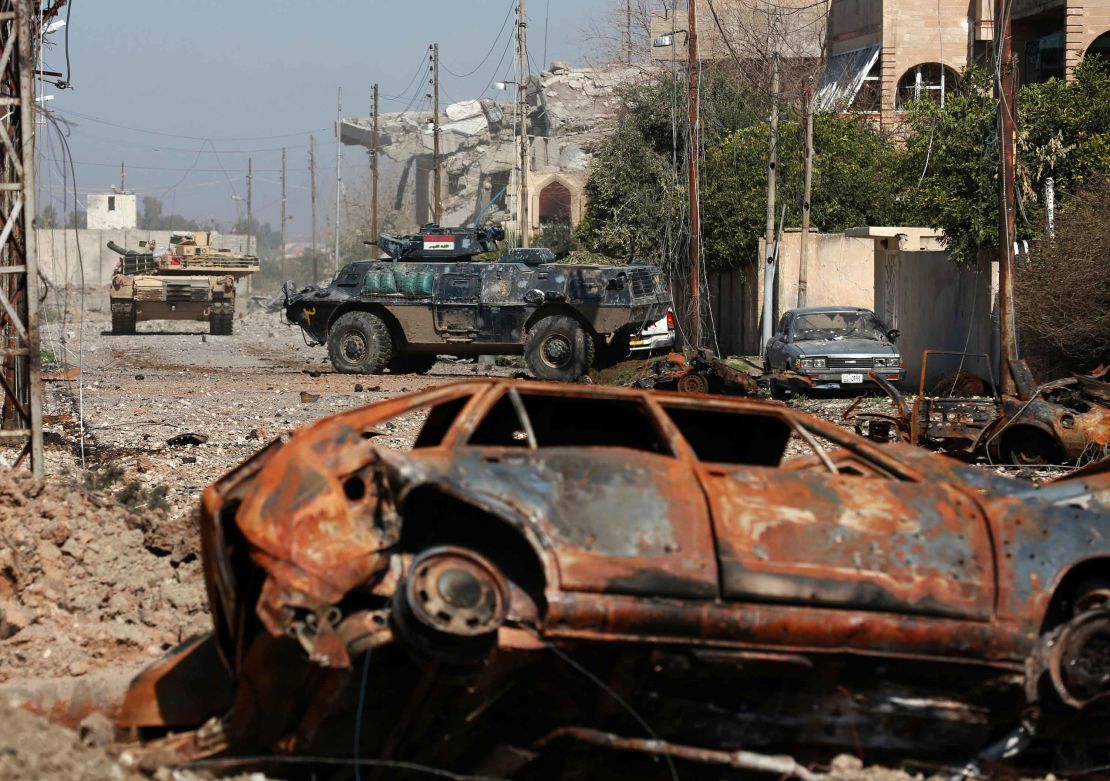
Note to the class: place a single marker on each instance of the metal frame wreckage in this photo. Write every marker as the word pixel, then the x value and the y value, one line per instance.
pixel 674 582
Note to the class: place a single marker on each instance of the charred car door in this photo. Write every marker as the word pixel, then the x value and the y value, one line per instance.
pixel 598 479
pixel 854 538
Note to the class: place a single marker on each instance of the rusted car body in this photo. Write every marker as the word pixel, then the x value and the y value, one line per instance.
pixel 553 563
pixel 697 371
pixel 1061 422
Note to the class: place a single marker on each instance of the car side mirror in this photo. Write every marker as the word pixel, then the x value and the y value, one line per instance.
pixel 893 334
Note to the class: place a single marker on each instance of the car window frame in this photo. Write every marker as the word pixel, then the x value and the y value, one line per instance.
pixel 667 435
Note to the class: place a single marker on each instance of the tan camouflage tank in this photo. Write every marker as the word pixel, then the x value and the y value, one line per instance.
pixel 188 281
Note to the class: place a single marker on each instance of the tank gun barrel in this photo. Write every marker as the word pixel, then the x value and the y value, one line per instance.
pixel 127 253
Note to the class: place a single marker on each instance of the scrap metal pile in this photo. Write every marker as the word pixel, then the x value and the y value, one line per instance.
pixel 516 597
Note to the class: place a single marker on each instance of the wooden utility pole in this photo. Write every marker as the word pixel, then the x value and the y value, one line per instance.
pixel 312 179
pixel 338 170
pixel 1006 92
pixel 375 159
pixel 770 237
pixel 695 199
pixel 284 270
pixel 437 180
pixel 628 32
pixel 250 217
pixel 525 152
pixel 803 263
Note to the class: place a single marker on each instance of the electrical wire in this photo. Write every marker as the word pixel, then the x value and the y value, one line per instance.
pixel 492 46
pixel 90 118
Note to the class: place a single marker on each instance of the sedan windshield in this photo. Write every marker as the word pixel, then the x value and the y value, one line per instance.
pixel 837 325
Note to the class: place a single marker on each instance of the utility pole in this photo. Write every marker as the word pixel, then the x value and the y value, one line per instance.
pixel 122 177
pixel 312 178
pixel 803 263
pixel 338 171
pixel 375 159
pixel 628 32
pixel 1006 92
pixel 437 174
pixel 770 239
pixel 250 217
pixel 695 201
pixel 284 271
pixel 525 152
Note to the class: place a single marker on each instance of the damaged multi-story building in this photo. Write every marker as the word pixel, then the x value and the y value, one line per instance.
pixel 570 111
pixel 883 54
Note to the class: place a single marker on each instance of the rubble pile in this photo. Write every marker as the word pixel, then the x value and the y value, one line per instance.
pixel 86 584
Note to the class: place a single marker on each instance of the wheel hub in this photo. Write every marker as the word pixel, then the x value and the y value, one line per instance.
pixel 456 591
pixel 693 383
pixel 354 347
pixel 557 351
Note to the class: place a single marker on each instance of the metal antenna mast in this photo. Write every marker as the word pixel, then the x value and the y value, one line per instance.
pixel 284 270
pixel 312 177
pixel 21 373
pixel 338 170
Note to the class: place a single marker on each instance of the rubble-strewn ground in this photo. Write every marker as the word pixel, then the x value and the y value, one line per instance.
pixel 98 565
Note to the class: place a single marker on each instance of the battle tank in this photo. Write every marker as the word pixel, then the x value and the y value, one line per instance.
pixel 188 281
pixel 430 296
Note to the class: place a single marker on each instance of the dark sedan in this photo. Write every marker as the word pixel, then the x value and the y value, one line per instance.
pixel 562 563
pixel 831 348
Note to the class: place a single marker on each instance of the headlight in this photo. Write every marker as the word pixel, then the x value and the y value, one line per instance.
pixel 811 363
pixel 893 361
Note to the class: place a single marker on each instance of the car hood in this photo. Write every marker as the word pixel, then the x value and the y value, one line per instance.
pixel 844 347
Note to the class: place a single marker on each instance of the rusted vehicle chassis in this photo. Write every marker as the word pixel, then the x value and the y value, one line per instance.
pixel 498 592
pixel 1061 422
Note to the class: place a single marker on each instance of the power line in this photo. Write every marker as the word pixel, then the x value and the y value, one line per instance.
pixel 99 121
pixel 491 49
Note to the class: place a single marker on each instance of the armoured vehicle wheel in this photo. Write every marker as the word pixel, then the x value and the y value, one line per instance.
pixel 412 364
pixel 123 323
pixel 557 348
pixel 359 343
pixel 221 324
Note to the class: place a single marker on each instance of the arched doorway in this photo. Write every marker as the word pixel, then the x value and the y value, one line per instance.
pixel 927 81
pixel 555 203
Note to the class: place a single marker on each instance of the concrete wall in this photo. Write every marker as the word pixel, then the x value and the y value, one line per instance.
pixel 112 211
pixel 61 263
pixel 1086 21
pixel 937 306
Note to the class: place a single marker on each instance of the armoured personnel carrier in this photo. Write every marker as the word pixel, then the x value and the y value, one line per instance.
pixel 429 297
pixel 188 281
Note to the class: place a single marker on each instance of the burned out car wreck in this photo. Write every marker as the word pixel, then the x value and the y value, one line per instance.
pixel 664 586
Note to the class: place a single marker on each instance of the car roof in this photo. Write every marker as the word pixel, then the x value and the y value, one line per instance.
pixel 815 309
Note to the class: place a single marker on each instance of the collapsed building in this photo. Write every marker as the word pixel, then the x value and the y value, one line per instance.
pixel 570 111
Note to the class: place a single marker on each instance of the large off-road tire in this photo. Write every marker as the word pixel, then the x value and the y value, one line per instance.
pixel 221 323
pixel 123 322
pixel 359 343
pixel 558 348
pixel 412 364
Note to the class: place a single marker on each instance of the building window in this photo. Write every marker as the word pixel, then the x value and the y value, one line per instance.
pixel 555 203
pixel 111 203
pixel 928 81
pixel 1101 47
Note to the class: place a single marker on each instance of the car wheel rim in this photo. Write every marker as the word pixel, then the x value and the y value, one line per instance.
pixel 457 592
pixel 557 351
pixel 354 347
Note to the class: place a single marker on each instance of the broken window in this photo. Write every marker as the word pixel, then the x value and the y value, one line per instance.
pixel 846 74
pixel 927 81
pixel 439 421
pixel 732 436
pixel 558 421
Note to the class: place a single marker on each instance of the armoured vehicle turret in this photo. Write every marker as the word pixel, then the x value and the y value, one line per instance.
pixel 189 280
pixel 430 295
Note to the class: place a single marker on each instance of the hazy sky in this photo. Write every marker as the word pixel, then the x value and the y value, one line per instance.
pixel 188 79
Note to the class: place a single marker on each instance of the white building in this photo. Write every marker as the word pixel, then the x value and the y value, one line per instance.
pixel 112 211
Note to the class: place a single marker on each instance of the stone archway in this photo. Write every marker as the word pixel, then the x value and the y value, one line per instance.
pixel 1100 46
pixel 555 203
